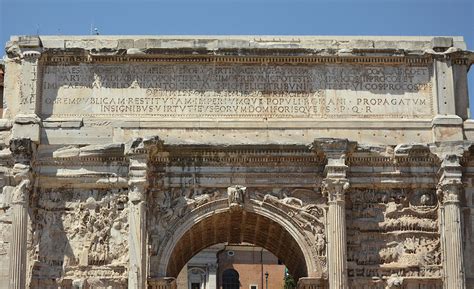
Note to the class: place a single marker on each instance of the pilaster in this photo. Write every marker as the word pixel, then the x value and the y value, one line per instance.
pixel 138 154
pixel 30 85
pixel 450 190
pixel 446 125
pixel 22 152
pixel 137 221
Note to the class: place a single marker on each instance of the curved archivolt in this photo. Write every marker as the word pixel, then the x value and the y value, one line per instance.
pixel 251 224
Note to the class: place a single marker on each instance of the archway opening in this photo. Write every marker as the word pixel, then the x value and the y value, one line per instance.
pixel 237 227
pixel 230 279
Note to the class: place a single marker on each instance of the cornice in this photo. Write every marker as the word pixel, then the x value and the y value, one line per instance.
pixel 366 59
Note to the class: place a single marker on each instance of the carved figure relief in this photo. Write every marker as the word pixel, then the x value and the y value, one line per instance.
pixel 82 229
pixel 393 234
pixel 171 205
pixel 306 208
pixel 236 195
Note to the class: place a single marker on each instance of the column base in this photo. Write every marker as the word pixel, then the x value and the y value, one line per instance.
pixel 312 283
pixel 162 283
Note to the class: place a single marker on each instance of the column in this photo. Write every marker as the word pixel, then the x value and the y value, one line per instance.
pixel 450 190
pixel 137 221
pixel 22 152
pixel 334 186
pixel 336 232
pixel 212 276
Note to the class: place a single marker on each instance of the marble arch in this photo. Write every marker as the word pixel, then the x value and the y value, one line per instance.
pixel 357 150
pixel 258 223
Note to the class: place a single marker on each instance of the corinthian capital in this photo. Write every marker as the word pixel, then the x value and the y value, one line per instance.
pixel 21 192
pixel 450 187
pixel 22 149
pixel 335 188
pixel 136 191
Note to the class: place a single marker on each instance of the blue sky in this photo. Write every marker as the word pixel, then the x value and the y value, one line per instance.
pixel 278 17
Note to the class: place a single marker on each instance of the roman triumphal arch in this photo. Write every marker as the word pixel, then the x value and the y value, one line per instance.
pixel 349 158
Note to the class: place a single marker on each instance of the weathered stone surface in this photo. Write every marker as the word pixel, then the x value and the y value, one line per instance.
pixel 349 158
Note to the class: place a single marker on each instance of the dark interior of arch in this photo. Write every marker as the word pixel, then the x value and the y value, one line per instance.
pixel 237 227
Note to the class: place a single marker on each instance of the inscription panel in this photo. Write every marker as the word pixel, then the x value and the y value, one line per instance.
pixel 180 91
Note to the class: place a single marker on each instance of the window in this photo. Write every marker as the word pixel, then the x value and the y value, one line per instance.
pixel 230 279
pixel 195 286
pixel 253 286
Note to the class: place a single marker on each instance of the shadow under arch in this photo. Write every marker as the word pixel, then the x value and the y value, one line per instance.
pixel 260 224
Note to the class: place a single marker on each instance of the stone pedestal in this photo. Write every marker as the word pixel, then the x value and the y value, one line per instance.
pixel 137 223
pixel 162 283
pixel 311 283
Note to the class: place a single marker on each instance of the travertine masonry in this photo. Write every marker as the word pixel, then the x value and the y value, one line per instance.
pixel 349 158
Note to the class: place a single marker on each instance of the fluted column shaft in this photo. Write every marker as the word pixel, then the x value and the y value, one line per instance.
pixel 450 190
pixel 18 246
pixel 137 223
pixel 22 151
pixel 337 249
pixel 453 255
pixel 337 245
pixel 334 187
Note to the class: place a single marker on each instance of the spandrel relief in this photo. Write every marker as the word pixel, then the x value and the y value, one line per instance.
pixel 393 234
pixel 80 229
pixel 304 208
pixel 172 204
pixel 308 210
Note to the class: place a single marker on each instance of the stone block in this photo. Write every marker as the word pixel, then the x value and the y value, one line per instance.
pixel 51 43
pixel 29 41
pixel 28 131
pixel 442 42
pixel 447 128
pixel 91 44
pixel 62 123
pixel 5 124
pixel 125 43
pixel 469 129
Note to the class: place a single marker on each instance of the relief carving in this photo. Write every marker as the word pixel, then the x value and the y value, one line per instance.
pixel 173 204
pixel 304 207
pixel 74 230
pixel 393 233
pixel 236 195
pixel 310 216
